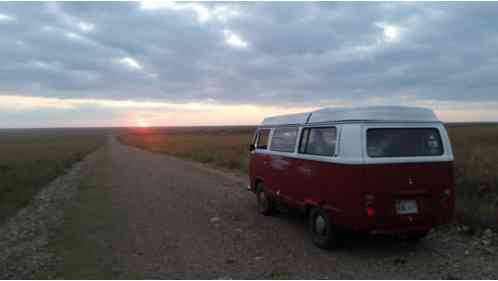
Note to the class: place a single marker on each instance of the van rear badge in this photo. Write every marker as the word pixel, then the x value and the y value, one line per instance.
pixel 410 181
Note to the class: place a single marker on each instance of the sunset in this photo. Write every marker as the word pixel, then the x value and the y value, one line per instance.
pixel 247 140
pixel 76 64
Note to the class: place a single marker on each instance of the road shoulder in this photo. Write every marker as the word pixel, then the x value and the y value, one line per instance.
pixel 25 237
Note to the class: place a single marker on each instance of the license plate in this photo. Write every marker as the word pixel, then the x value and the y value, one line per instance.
pixel 404 207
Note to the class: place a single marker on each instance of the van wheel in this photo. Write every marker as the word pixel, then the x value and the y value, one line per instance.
pixel 266 205
pixel 323 233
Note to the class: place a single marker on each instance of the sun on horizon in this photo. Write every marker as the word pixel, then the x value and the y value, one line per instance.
pixel 142 123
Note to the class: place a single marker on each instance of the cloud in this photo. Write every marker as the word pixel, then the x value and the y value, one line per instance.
pixel 131 63
pixel 86 26
pixel 234 40
pixel 296 55
pixel 201 11
pixel 204 14
pixel 6 18
pixel 132 113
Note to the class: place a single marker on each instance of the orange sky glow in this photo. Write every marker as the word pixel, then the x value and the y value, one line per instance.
pixel 158 113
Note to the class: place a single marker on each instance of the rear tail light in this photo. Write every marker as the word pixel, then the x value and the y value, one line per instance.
pixel 369 202
pixel 370 211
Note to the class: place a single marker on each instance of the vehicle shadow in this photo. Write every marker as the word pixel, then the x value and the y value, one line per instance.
pixel 384 245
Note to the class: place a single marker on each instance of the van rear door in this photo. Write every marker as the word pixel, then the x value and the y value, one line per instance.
pixel 407 175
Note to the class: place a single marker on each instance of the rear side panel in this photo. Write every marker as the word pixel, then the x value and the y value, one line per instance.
pixel 334 186
pixel 425 183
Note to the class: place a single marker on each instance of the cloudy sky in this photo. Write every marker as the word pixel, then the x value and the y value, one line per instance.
pixel 159 63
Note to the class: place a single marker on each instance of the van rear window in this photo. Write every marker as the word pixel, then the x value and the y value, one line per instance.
pixel 403 142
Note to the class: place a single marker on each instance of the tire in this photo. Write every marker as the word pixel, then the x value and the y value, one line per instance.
pixel 266 205
pixel 323 233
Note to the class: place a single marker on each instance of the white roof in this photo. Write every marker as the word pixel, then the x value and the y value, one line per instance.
pixel 298 118
pixel 372 113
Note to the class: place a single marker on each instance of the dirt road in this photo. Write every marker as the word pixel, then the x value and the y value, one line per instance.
pixel 187 221
pixel 183 220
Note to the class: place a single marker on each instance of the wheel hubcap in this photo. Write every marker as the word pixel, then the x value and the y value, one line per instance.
pixel 320 225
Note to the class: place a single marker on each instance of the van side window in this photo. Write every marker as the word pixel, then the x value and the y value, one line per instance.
pixel 284 139
pixel 318 141
pixel 262 139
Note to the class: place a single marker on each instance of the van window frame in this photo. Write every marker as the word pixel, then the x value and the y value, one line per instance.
pixel 258 135
pixel 298 133
pixel 309 128
pixel 440 141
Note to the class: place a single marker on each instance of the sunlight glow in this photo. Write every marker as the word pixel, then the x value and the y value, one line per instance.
pixel 84 26
pixel 142 123
pixel 222 13
pixel 391 33
pixel 8 102
pixel 131 63
pixel 145 113
pixel 156 4
pixel 152 113
pixel 201 11
pixel 73 36
pixel 234 40
pixel 5 18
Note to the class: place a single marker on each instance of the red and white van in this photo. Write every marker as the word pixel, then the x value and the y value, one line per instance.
pixel 373 169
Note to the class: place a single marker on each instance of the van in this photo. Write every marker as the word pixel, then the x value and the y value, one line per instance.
pixel 379 170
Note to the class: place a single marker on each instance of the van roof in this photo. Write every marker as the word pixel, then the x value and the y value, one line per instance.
pixel 371 113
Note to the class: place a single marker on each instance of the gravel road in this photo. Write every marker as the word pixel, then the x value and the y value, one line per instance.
pixel 189 221
pixel 185 220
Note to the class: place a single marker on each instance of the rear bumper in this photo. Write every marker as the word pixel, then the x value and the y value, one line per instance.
pixel 379 225
pixel 400 230
pixel 392 229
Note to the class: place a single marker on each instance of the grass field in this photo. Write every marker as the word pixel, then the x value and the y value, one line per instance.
pixel 476 173
pixel 29 159
pixel 475 148
pixel 224 147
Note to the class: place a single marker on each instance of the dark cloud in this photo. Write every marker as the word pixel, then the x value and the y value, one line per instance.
pixel 285 53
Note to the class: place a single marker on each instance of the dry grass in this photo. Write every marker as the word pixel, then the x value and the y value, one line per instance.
pixel 224 147
pixel 476 173
pixel 475 148
pixel 29 159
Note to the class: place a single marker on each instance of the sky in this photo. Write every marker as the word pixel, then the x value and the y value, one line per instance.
pixel 151 63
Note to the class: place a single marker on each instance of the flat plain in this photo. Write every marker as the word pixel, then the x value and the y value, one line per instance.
pixel 140 214
pixel 475 147
pixel 30 159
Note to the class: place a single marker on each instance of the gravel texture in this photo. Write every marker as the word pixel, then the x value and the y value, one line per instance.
pixel 185 220
pixel 24 237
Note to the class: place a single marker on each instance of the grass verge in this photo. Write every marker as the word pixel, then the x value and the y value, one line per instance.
pixel 84 246
pixel 30 159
